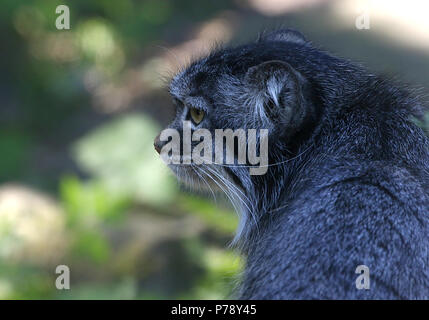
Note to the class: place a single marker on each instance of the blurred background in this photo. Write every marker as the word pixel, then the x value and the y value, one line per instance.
pixel 80 183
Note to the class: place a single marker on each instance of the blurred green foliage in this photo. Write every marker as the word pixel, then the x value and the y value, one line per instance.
pixel 121 155
pixel 120 221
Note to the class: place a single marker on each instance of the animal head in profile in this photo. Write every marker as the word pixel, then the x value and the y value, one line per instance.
pixel 237 111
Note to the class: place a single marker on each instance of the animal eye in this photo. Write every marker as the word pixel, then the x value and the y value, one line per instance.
pixel 197 115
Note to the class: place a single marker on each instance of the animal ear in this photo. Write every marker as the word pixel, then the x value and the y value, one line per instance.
pixel 286 35
pixel 277 92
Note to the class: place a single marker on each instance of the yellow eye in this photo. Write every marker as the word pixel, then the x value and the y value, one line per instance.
pixel 197 115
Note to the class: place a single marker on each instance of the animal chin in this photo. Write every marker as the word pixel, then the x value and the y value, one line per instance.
pixel 185 175
pixel 202 177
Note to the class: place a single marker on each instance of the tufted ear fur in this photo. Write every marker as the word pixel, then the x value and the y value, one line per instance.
pixel 287 35
pixel 278 93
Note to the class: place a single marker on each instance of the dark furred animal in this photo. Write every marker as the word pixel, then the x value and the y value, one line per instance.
pixel 348 176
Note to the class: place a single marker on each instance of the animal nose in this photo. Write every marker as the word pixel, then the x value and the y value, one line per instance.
pixel 157 143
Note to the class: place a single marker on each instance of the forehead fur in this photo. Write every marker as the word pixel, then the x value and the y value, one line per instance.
pixel 203 75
